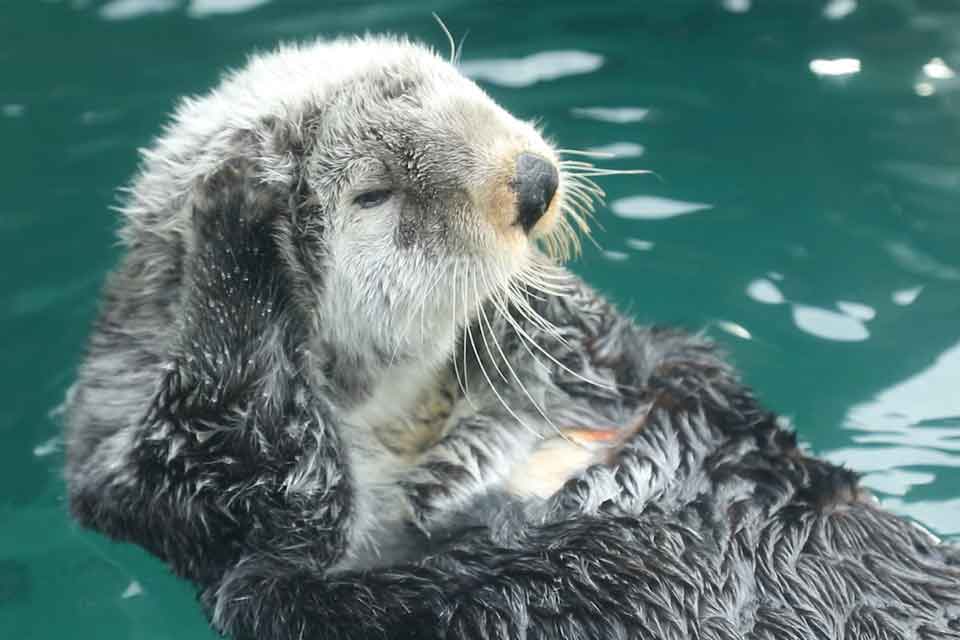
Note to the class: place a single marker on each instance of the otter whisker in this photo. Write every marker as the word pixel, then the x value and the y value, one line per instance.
pixel 532 279
pixel 450 40
pixel 562 242
pixel 461 379
pixel 483 335
pixel 522 333
pixel 516 298
pixel 510 368
pixel 466 325
pixel 549 270
pixel 528 279
pixel 590 193
pixel 592 154
pixel 608 172
pixel 459 52
pixel 493 388
pixel 546 279
pixel 584 199
pixel 587 195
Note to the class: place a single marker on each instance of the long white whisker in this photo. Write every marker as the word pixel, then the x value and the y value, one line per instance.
pixel 517 299
pixel 461 380
pixel 506 406
pixel 541 282
pixel 453 46
pixel 466 325
pixel 459 53
pixel 605 172
pixel 513 373
pixel 523 334
pixel 592 154
pixel 483 335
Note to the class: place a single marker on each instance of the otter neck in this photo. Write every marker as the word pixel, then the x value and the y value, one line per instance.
pixel 378 386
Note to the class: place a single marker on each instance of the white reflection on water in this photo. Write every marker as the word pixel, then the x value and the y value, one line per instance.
pixel 616 115
pixel 828 324
pixel 133 590
pixel 639 245
pixel 839 9
pixel 904 297
pixel 835 66
pixel 204 8
pixel 654 208
pixel 764 291
pixel 48 447
pixel 130 9
pixel 615 256
pixel 734 329
pixel 938 70
pixel 897 482
pixel 943 515
pixel 857 310
pixel 539 67
pixel 619 149
pixel 915 423
pixel 736 6
pixel 12 110
pixel 931 394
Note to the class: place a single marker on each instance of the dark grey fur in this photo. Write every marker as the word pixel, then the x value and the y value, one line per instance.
pixel 207 425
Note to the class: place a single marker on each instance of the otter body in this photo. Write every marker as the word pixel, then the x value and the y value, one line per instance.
pixel 334 362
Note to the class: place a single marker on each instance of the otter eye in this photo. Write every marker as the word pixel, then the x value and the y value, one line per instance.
pixel 370 199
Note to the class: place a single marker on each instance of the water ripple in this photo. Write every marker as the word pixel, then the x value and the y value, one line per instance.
pixel 616 115
pixel 655 208
pixel 829 325
pixel 906 297
pixel 765 292
pixel 539 67
pixel 206 8
pixel 620 149
pixel 130 9
pixel 929 395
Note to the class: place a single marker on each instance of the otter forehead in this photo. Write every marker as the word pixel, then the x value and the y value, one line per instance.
pixel 295 79
pixel 440 136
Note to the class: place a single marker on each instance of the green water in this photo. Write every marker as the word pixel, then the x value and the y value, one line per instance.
pixel 807 221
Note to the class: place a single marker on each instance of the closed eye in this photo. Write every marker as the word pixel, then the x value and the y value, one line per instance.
pixel 372 198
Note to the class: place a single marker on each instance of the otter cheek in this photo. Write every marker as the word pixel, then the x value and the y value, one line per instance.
pixel 411 225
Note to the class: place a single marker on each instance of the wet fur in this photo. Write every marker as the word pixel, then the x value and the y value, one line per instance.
pixel 214 424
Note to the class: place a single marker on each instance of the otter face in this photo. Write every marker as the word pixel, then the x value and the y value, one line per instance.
pixel 435 199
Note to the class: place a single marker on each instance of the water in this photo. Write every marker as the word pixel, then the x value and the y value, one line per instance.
pixel 808 221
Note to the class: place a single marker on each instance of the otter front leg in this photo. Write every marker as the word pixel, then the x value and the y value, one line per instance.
pixel 223 446
pixel 475 457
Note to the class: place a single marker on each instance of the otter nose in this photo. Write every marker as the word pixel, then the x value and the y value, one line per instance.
pixel 535 183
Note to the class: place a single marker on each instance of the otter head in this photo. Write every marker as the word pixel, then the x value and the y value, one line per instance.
pixel 433 199
pixel 411 197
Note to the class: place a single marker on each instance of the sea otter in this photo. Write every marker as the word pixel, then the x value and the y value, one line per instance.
pixel 338 355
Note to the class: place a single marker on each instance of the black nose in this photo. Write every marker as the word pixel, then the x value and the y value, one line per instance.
pixel 535 183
